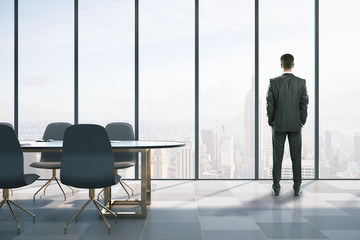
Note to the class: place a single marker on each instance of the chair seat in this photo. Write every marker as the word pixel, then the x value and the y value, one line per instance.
pixel 46 165
pixel 121 165
pixel 30 178
pixel 117 178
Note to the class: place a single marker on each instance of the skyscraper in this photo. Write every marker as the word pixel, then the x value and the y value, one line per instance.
pixel 328 147
pixel 208 140
pixel 357 147
pixel 160 163
pixel 249 131
pixel 185 163
pixel 227 155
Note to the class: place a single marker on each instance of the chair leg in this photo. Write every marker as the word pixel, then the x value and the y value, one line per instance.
pixel 13 214
pixel 122 184
pixel 18 206
pixel 107 209
pixel 98 196
pixel 132 190
pixel 47 185
pixel 124 189
pixel 2 203
pixel 76 215
pixel 48 182
pixel 72 190
pixel 102 215
pixel 60 188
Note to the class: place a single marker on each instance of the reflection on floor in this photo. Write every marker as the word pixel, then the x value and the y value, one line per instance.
pixel 207 210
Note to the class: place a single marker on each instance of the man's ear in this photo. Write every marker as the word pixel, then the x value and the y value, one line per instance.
pixel 293 65
pixel 281 65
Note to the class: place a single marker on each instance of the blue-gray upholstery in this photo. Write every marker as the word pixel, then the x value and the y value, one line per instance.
pixel 12 169
pixel 87 158
pixel 12 161
pixel 88 162
pixel 122 131
pixel 52 160
pixel 7 124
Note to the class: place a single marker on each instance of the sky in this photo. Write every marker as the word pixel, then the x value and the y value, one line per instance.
pixel 106 58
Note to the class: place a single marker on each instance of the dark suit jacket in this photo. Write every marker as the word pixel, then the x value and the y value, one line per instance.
pixel 286 103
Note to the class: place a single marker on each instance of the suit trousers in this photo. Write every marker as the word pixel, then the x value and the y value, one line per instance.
pixel 278 139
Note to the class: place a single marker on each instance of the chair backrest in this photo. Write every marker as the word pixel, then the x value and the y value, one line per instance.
pixel 7 124
pixel 11 157
pixel 122 131
pixel 54 131
pixel 87 157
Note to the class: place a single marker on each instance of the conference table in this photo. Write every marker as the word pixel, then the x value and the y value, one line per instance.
pixel 142 146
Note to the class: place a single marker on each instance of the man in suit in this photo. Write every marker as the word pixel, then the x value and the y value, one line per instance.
pixel 286 105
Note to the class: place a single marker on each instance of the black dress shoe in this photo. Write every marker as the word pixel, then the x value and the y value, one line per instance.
pixel 297 192
pixel 276 193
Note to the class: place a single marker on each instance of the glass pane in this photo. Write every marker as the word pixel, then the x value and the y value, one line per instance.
pixel 7 61
pixel 167 83
pixel 46 75
pixel 227 94
pixel 282 31
pixel 339 89
pixel 106 63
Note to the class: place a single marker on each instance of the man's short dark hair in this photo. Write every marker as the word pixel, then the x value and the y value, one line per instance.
pixel 287 60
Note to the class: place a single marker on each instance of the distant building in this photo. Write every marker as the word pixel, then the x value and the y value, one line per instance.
pixel 159 163
pixel 328 147
pixel 357 147
pixel 307 169
pixel 208 140
pixel 185 164
pixel 353 168
pixel 248 166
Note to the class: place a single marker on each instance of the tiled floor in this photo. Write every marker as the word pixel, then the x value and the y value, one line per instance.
pixel 207 210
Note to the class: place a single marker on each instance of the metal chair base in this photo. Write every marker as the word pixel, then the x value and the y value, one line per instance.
pixel 8 201
pixel 97 204
pixel 122 183
pixel 46 185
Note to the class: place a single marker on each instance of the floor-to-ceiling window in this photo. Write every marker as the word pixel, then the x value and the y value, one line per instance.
pixel 167 83
pixel 227 93
pixel 106 63
pixel 7 61
pixel 167 92
pixel 286 27
pixel 46 75
pixel 339 136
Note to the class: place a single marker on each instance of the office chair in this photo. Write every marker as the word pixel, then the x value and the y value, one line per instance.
pixel 124 132
pixel 10 125
pixel 88 162
pixel 52 160
pixel 12 169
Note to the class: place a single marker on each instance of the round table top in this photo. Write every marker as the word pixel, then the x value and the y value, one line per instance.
pixel 141 144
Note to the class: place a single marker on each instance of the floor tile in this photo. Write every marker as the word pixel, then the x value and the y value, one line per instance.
pixel 172 231
pixel 196 210
pixel 228 223
pixel 173 197
pixel 291 231
pixel 213 193
pixel 342 234
pixel 173 215
pixel 226 210
pixel 234 235
pixel 275 216
pixel 334 222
